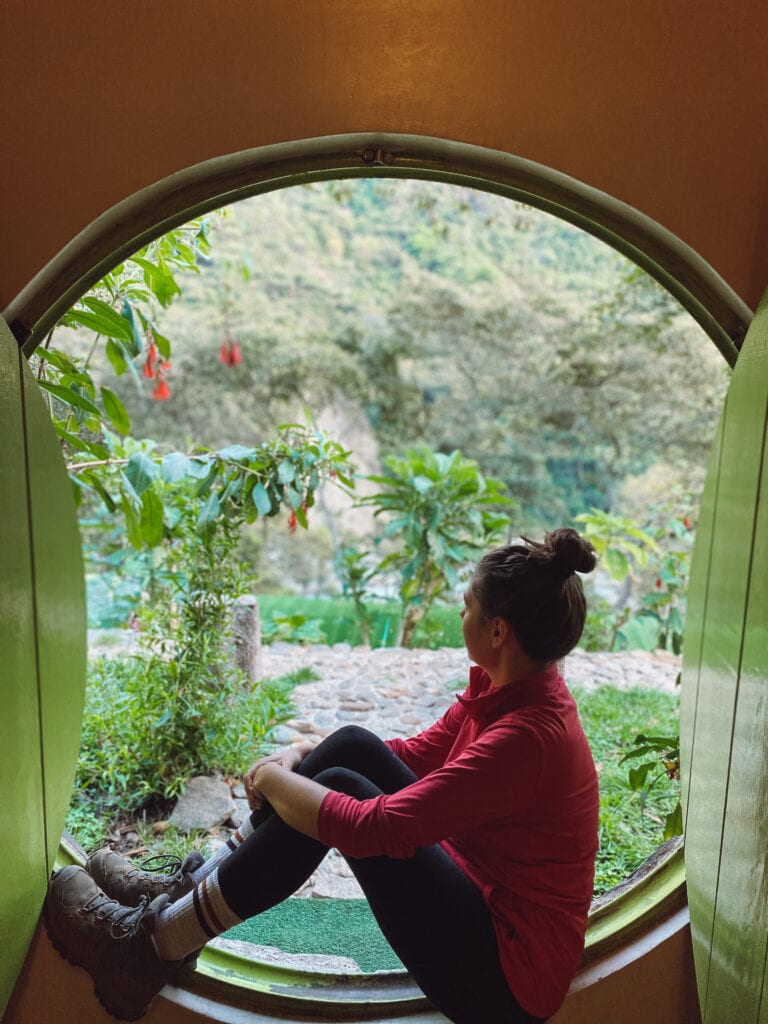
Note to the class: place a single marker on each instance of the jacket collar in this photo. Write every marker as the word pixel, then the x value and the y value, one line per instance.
pixel 484 700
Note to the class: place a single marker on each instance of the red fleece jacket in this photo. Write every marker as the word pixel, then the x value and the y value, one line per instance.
pixel 507 785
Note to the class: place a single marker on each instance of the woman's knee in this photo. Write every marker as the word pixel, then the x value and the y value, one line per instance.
pixel 345 780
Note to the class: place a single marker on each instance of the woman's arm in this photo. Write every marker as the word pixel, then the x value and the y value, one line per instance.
pixel 290 759
pixel 295 799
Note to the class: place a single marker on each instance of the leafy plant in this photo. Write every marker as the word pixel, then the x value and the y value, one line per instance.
pixel 622 546
pixel 146 730
pixel 658 750
pixel 355 574
pixel 444 514
pixel 655 557
pixel 292 629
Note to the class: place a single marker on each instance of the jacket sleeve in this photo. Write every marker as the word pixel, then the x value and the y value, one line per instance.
pixel 496 776
pixel 430 749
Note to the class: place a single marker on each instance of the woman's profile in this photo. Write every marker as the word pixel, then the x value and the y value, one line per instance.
pixel 474 842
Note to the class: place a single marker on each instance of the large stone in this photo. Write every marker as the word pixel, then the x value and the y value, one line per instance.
pixel 205 803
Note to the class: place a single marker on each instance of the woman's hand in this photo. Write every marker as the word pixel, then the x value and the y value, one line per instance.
pixel 289 759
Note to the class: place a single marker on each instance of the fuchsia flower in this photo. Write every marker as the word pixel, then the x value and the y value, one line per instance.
pixel 229 352
pixel 162 391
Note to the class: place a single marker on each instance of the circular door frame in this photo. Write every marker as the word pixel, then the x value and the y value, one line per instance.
pixel 218 182
pixel 133 222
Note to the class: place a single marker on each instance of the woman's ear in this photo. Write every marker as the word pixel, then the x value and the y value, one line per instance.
pixel 500 630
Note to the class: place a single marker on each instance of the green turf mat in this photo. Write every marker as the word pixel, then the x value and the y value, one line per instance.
pixel 332 927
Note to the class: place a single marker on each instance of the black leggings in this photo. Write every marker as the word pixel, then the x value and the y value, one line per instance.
pixel 430 912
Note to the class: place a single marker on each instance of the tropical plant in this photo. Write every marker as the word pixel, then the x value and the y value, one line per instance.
pixel 355 573
pixel 661 756
pixel 443 514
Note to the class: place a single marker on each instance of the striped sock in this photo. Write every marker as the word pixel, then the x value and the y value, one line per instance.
pixel 237 838
pixel 186 925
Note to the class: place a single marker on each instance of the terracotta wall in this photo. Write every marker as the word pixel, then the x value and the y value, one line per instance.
pixel 659 104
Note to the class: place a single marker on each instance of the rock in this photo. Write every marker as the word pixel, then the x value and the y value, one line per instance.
pixel 240 813
pixel 330 886
pixel 206 802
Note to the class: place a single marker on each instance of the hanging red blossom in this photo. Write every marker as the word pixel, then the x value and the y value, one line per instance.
pixel 229 352
pixel 659 584
pixel 292 522
pixel 162 391
pixel 687 523
pixel 149 366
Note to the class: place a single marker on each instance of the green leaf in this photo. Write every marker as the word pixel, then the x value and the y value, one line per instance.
pixel 94 481
pixel 286 472
pixel 132 524
pixel 261 499
pixel 116 412
pixel 206 519
pixel 106 321
pixel 236 453
pixel 673 824
pixel 70 397
pixel 641 631
pixel 141 471
pixel 129 314
pixel 116 356
pixel 637 776
pixel 294 497
pixel 151 519
pixel 163 344
pixel 616 564
pixel 174 467
pixel 204 487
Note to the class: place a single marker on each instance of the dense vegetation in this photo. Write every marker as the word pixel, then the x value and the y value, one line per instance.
pixel 493 370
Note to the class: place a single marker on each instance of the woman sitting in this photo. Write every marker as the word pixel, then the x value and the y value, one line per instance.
pixel 474 842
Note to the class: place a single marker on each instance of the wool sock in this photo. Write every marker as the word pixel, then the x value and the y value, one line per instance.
pixel 237 838
pixel 186 925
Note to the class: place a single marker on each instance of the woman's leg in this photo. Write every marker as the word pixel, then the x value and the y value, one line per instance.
pixel 360 755
pixel 433 916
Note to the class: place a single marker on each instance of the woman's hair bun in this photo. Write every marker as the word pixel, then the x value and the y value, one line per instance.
pixel 570 551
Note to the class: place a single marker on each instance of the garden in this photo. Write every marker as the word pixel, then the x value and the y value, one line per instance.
pixel 382 469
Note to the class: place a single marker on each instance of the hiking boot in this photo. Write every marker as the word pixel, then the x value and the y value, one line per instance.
pixel 128 883
pixel 115 944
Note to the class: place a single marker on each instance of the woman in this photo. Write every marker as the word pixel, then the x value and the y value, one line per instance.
pixel 474 842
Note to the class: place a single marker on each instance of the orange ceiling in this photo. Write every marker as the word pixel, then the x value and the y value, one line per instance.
pixel 658 103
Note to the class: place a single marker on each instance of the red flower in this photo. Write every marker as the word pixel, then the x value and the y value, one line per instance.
pixel 161 392
pixel 149 366
pixel 229 352
pixel 292 523
pixel 659 584
pixel 687 523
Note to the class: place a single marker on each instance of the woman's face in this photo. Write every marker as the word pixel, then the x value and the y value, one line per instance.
pixel 477 633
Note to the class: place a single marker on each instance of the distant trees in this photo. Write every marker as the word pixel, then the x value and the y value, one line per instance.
pixel 454 319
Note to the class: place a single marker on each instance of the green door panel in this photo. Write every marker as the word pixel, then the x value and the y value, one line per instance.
pixel 42 653
pixel 22 831
pixel 724 715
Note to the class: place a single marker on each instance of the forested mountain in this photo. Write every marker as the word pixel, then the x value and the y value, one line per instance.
pixel 448 316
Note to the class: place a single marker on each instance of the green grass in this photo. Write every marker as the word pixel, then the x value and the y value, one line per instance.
pixel 335 619
pixel 611 719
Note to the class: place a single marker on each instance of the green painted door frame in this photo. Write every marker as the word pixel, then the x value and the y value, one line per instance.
pixel 42 653
pixel 724 713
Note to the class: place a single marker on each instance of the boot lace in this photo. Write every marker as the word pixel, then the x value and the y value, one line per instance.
pixel 124 922
pixel 161 864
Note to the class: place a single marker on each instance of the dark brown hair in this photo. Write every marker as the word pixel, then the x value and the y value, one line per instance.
pixel 534 587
